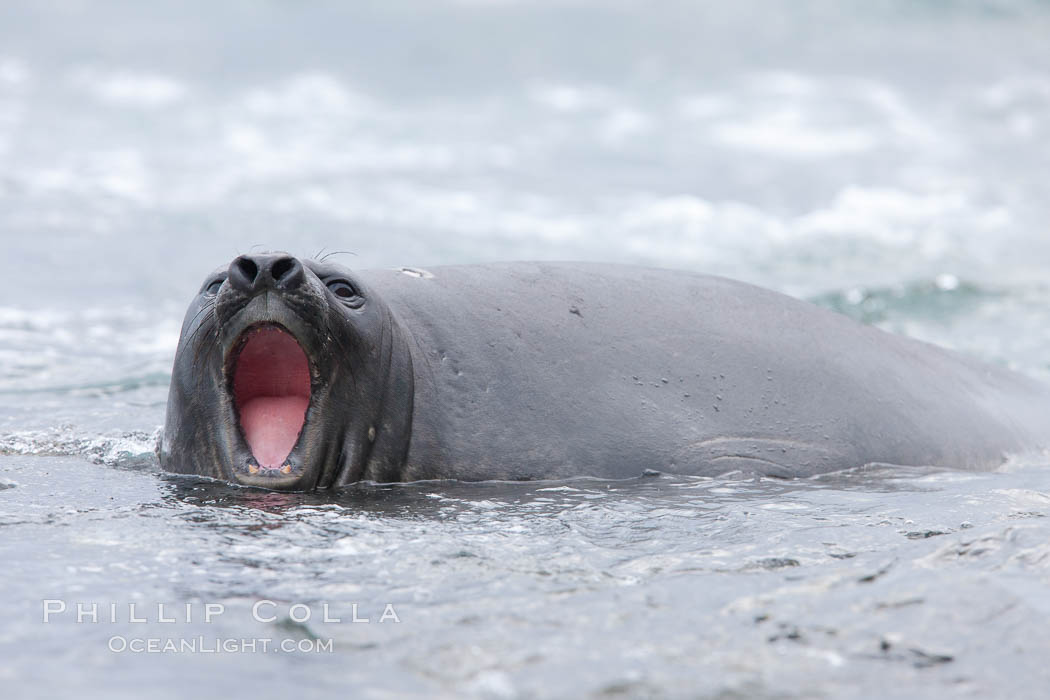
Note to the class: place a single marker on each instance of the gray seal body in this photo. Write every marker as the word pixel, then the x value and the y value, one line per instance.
pixel 553 370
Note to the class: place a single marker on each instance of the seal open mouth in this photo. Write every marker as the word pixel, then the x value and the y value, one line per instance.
pixel 271 392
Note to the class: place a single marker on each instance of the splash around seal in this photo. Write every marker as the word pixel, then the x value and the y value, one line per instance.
pixel 297 375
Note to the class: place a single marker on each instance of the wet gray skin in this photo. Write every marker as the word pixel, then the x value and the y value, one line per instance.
pixel 525 371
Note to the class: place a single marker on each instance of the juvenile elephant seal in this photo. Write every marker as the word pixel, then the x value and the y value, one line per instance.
pixel 298 374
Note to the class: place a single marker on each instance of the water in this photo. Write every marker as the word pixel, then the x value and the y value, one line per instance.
pixel 885 159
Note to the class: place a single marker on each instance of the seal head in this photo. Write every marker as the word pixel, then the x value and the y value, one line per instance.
pixel 290 374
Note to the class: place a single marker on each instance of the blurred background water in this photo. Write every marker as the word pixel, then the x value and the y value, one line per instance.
pixel 887 159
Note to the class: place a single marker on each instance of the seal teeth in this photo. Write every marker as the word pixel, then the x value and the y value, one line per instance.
pixel 253 468
pixel 286 469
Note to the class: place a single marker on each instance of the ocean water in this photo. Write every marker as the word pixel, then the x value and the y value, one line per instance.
pixel 885 159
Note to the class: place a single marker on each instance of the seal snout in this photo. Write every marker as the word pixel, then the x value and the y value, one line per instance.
pixel 271 392
pixel 249 274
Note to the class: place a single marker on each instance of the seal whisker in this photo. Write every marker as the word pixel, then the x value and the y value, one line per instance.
pixel 342 347
pixel 335 252
pixel 205 307
pixel 207 339
pixel 208 323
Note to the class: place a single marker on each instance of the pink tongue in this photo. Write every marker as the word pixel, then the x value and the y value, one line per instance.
pixel 271 425
pixel 271 387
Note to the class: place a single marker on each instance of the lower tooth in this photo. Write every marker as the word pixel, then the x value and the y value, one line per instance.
pixel 286 469
pixel 252 469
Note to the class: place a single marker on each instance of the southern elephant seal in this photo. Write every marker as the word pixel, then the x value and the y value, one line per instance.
pixel 299 374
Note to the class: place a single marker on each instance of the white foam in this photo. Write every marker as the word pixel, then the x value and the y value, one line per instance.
pixel 92 348
pixel 13 72
pixel 101 449
pixel 1016 91
pixel 705 106
pixel 889 215
pixel 122 173
pixel 689 229
pixel 785 132
pixel 622 124
pixel 570 99
pixel 130 89
pixel 785 84
pixel 305 94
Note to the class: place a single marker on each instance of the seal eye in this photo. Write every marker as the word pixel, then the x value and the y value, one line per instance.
pixel 213 288
pixel 345 291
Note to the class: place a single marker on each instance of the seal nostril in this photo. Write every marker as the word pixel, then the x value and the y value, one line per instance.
pixel 249 268
pixel 281 268
pixel 243 273
pixel 287 273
